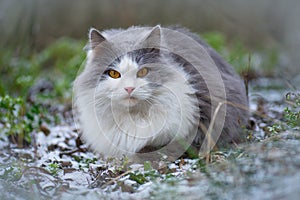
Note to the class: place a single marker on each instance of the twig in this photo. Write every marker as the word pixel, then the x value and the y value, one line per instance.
pixel 115 179
pixel 69 153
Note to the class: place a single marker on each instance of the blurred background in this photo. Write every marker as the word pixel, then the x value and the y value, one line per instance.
pixel 267 24
pixel 41 52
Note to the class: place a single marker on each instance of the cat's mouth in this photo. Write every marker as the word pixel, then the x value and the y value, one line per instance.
pixel 131 99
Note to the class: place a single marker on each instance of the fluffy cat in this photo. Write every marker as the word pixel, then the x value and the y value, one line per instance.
pixel 141 89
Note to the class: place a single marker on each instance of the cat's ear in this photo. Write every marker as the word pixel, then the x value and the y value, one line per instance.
pixel 95 38
pixel 153 39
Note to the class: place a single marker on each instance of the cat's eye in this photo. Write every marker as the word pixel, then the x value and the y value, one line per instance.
pixel 113 73
pixel 142 72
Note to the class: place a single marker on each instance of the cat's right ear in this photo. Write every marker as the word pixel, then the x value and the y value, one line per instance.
pixel 153 39
pixel 95 38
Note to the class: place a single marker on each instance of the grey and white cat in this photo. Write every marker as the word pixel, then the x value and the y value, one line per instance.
pixel 140 89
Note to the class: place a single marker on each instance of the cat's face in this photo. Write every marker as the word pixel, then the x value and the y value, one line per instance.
pixel 127 82
pixel 136 76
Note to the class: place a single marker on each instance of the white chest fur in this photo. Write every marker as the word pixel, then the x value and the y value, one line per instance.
pixel 113 130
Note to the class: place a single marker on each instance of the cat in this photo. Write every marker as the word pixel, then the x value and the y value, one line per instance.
pixel 144 87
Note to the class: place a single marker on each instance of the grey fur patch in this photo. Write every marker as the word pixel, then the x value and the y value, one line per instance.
pixel 237 114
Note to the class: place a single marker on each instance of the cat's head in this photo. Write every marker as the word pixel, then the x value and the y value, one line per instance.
pixel 134 70
pixel 129 82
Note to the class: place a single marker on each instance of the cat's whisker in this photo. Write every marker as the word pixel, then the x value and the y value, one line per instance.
pixel 149 102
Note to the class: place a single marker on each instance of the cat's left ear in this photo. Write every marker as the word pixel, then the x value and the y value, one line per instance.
pixel 95 38
pixel 153 39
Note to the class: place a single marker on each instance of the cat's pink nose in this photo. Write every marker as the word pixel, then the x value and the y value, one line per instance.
pixel 129 89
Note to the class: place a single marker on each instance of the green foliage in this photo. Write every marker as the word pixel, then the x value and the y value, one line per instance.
pixel 150 174
pixel 19 73
pixel 138 177
pixel 16 73
pixel 18 124
pixel 53 168
pixel 216 40
pixel 84 162
pixel 261 62
pixel 58 63
pixel 292 113
pixel 61 62
pixel 19 119
pixel 147 166
pixel 235 53
pixel 275 128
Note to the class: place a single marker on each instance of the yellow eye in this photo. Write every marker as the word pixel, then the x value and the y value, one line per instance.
pixel 142 72
pixel 114 74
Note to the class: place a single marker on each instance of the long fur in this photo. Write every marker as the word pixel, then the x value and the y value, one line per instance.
pixel 171 100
